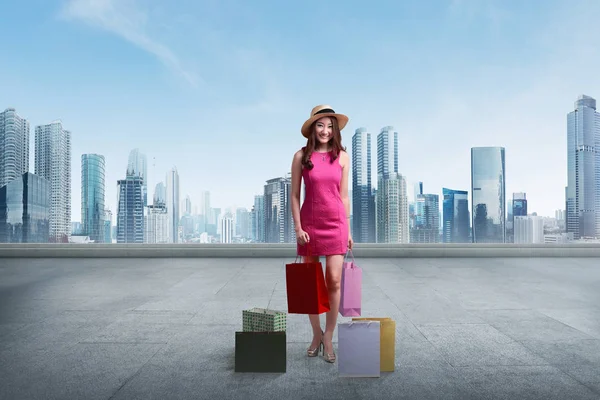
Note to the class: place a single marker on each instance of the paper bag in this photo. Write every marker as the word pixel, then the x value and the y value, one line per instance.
pixel 359 349
pixel 350 289
pixel 387 340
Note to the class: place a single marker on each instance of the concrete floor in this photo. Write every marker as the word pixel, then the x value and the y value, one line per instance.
pixel 476 328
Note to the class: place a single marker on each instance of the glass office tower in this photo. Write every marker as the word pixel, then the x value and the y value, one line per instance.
pixel 488 194
pixel 92 196
pixel 25 210
pixel 455 216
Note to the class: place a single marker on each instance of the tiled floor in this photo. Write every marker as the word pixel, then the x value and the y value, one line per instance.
pixel 508 328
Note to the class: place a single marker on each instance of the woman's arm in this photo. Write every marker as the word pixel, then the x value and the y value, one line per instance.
pixel 345 159
pixel 296 185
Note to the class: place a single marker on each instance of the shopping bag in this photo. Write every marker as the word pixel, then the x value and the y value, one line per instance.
pixel 359 349
pixel 263 320
pixel 350 289
pixel 305 288
pixel 260 352
pixel 387 340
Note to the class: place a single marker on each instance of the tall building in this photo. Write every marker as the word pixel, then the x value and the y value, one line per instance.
pixel 157 224
pixel 258 219
pixel 137 165
pixel 427 220
pixel 227 228
pixel 53 162
pixel 108 226
pixel 25 210
pixel 279 225
pixel 130 213
pixel 392 224
pixel 242 223
pixel 160 194
pixel 205 210
pixel 92 196
pixel 14 146
pixel 488 194
pixel 583 169
pixel 173 204
pixel 519 205
pixel 529 229
pixel 392 210
pixel 456 218
pixel 363 205
pixel 187 209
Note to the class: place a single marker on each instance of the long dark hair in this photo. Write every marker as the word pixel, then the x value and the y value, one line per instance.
pixel 311 143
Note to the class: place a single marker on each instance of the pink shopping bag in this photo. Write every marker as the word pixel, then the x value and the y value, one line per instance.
pixel 351 289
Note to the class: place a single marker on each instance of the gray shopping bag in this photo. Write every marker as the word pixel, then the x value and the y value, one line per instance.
pixel 359 350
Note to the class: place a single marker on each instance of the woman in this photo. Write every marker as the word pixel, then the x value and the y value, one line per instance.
pixel 322 226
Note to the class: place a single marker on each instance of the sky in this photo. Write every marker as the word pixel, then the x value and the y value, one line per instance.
pixel 220 89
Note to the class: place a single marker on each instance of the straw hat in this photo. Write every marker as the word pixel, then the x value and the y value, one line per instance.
pixel 319 112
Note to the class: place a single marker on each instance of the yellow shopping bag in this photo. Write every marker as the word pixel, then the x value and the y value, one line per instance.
pixel 388 341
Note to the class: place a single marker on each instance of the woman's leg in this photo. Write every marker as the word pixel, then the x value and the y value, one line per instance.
pixel 314 318
pixel 333 277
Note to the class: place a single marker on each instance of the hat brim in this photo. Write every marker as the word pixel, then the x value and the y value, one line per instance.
pixel 341 118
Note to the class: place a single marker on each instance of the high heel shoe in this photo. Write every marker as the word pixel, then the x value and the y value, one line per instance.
pixel 330 358
pixel 315 352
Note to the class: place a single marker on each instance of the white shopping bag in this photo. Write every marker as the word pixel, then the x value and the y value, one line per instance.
pixel 359 349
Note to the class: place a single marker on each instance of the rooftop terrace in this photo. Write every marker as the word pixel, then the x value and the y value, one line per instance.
pixel 499 327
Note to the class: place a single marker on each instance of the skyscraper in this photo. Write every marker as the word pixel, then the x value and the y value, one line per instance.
pixel 363 207
pixel 427 218
pixel 242 223
pixel 519 205
pixel 583 169
pixel 279 225
pixel 24 210
pixel 258 219
pixel 92 196
pixel 392 203
pixel 173 204
pixel 160 194
pixel 488 194
pixel 53 162
pixel 456 219
pixel 137 165
pixel 387 151
pixel 227 228
pixel 130 213
pixel 14 146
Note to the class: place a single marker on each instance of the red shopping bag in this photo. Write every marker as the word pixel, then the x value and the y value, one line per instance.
pixel 306 289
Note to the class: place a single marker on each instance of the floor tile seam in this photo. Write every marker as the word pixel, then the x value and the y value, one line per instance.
pixel 594 390
pixel 136 373
pixel 243 266
pixel 401 312
pixel 569 326
pixel 496 324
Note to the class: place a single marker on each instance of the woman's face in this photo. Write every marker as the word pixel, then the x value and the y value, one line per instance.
pixel 323 130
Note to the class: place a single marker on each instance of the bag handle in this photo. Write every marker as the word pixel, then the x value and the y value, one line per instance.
pixel 308 252
pixel 352 255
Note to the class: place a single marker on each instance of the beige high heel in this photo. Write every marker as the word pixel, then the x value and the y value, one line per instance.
pixel 315 352
pixel 330 358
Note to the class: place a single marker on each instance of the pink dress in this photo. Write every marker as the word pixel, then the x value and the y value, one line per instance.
pixel 323 215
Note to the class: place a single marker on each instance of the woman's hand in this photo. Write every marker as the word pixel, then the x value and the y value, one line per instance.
pixel 302 237
pixel 350 242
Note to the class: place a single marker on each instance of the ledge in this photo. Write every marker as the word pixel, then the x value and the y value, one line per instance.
pixel 276 250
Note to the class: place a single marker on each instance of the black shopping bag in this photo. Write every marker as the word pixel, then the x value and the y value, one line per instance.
pixel 260 352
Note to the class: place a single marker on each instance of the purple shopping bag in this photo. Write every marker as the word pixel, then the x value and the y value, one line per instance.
pixel 351 289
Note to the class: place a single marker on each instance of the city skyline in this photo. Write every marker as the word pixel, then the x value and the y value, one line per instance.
pixel 508 80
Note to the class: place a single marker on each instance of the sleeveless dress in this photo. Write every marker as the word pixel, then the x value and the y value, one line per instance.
pixel 323 215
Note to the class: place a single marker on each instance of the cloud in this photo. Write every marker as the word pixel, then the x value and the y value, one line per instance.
pixel 127 19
